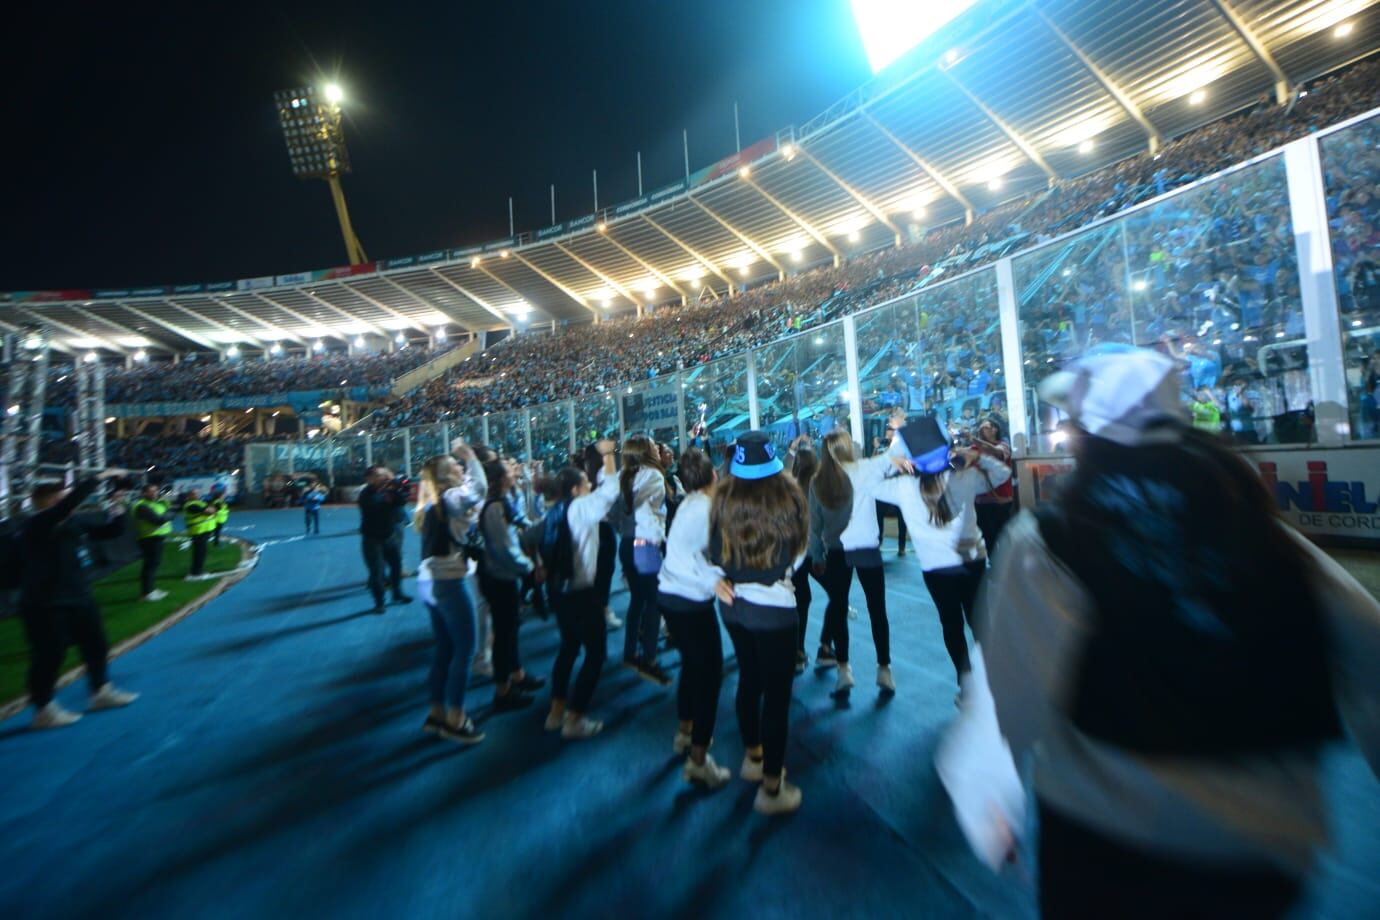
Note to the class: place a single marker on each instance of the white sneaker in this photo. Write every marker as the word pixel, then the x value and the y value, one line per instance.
pixel 554 721
pixel 844 682
pixel 54 716
pixel 751 770
pixel 682 742
pixel 581 728
pixel 611 619
pixel 110 696
pixel 157 594
pixel 708 773
pixel 786 800
pixel 885 680
pixel 484 667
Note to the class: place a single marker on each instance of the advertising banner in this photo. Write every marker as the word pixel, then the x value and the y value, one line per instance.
pixel 651 410
pixel 1323 493
pixel 730 163
pixel 546 233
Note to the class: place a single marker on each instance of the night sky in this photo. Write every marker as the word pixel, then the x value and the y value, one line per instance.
pixel 144 149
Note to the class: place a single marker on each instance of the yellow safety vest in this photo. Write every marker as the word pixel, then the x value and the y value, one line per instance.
pixel 222 510
pixel 142 528
pixel 200 516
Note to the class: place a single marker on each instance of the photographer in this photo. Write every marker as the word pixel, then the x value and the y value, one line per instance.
pixel 381 504
pixel 55 600
pixel 994 506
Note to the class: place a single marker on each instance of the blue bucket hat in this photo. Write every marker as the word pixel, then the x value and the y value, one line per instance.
pixel 754 456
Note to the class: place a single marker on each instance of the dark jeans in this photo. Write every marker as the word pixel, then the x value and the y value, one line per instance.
pixel 199 544
pixel 453 627
pixel 885 510
pixel 313 519
pixel 382 553
pixel 502 595
pixel 766 669
pixel 151 549
pixel 838 579
pixel 215 534
pixel 607 564
pixel 696 634
pixel 642 621
pixel 991 518
pixel 580 619
pixel 803 596
pixel 954 592
pixel 1084 873
pixel 49 630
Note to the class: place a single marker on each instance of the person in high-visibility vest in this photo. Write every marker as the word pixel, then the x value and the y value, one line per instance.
pixel 152 525
pixel 218 501
pixel 201 520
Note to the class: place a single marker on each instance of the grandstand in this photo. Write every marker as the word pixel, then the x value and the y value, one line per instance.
pixel 911 182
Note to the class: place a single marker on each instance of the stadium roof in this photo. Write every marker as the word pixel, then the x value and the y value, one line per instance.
pixel 1042 90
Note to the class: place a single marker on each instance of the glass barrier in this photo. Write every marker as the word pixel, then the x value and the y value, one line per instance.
pixel 427 442
pixel 802 385
pixel 1351 176
pixel 652 407
pixel 348 459
pixel 508 435
pixel 389 449
pixel 717 407
pixel 551 434
pixel 1208 276
pixel 596 417
pixel 471 429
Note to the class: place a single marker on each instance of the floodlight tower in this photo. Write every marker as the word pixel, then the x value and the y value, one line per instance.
pixel 311 125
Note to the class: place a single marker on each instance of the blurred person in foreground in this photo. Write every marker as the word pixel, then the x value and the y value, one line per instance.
pixel 55 600
pixel 381 505
pixel 1177 658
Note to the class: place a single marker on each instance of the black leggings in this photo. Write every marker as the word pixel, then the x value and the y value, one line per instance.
pixel 643 622
pixel 838 579
pixel 49 630
pixel 696 633
pixel 1084 873
pixel 199 544
pixel 608 557
pixel 151 549
pixel 954 592
pixel 502 595
pixel 885 510
pixel 580 619
pixel 766 669
pixel 991 518
pixel 803 596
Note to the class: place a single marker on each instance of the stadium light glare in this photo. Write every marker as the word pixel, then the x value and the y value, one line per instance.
pixel 1140 284
pixel 141 356
pixel 889 29
pixel 318 346
pixel 744 171
pixel 503 253
pixel 1343 30
pixel 1086 146
pixel 474 261
pixel 788 151
pixel 854 236
pixel 400 339
pixel 233 351
pixel 12 410
pixel 797 256
pixel 1197 97
pixel 276 348
pixel 334 94
pixel 602 227
pixel 995 183
pixel 951 56
pixel 650 286
pixel 90 357
pixel 359 341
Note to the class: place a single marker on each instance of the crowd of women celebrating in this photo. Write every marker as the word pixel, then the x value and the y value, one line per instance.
pixel 707 545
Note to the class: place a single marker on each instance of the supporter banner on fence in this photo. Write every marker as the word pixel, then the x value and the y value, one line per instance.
pixel 651 410
pixel 1324 493
pixel 300 401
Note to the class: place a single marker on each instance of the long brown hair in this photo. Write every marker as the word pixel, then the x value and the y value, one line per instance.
pixel 804 467
pixel 832 486
pixel 639 452
pixel 759 522
pixel 439 473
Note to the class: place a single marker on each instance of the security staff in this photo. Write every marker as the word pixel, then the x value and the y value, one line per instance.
pixel 218 501
pixel 381 504
pixel 200 516
pixel 152 525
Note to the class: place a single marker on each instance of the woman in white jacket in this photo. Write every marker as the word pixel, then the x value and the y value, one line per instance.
pixel 685 597
pixel 642 484
pixel 938 506
pixel 447 508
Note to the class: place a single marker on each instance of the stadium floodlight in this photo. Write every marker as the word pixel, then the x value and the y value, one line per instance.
pixel 91 357
pixel 474 261
pixel 1343 30
pixel 359 341
pixel 315 138
pixel 318 346
pixel 995 183
pixel 1197 97
pixel 744 171
pixel 276 349
pixel 951 56
pixel 788 151
pixel 1086 146
pixel 141 356
pixel 503 253
pixel 891 28
pixel 602 227
pixel 233 351
pixel 400 339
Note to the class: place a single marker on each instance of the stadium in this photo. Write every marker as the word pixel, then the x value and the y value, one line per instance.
pixel 1021 193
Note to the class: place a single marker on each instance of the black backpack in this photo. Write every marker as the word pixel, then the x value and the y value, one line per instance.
pixel 1156 679
pixel 557 550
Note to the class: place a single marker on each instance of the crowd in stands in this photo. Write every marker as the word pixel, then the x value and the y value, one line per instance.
pixel 1224 253
pixel 173 455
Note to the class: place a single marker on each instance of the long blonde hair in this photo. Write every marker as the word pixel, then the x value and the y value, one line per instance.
pixel 831 484
pixel 439 474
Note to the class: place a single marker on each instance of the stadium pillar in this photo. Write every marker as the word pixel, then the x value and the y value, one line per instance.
pixel 570 423
pixel 850 363
pixel 754 416
pixel 1318 289
pixel 1011 358
pixel 680 413
pixel 407 451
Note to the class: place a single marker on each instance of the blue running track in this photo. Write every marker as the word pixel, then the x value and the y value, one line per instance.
pixel 275 767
